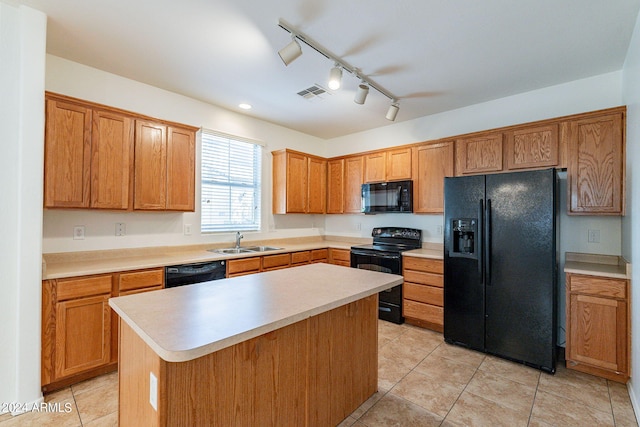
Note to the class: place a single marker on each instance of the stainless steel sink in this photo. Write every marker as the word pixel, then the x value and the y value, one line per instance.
pixel 262 248
pixel 231 250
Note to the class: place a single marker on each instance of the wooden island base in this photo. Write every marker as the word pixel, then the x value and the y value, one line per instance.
pixel 311 373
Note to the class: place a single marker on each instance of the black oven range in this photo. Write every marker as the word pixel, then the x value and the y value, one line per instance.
pixel 385 255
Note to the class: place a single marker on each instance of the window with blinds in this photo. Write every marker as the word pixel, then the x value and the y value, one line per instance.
pixel 230 183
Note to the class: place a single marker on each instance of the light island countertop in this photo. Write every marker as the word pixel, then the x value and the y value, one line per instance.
pixel 188 322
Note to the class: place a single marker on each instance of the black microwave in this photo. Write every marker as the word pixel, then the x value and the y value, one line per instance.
pixel 394 196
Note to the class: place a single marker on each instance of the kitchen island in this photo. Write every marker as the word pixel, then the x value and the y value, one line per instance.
pixel 286 347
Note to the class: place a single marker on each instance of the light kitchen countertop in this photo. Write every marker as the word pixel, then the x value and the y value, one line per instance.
pixel 597 265
pixel 188 322
pixel 72 264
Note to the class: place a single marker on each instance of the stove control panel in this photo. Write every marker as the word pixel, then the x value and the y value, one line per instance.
pixel 396 233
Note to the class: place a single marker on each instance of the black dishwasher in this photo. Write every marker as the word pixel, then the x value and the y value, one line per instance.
pixel 187 274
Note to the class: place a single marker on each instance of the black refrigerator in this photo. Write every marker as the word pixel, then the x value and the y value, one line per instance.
pixel 500 265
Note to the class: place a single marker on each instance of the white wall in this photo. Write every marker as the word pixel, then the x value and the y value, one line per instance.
pixel 166 228
pixel 630 224
pixel 22 50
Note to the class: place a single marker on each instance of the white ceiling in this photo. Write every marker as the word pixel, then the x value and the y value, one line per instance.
pixel 434 55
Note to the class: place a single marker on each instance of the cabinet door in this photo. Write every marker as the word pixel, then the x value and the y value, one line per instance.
pixel 83 335
pixel 532 147
pixel 335 186
pixel 353 175
pixel 317 179
pixel 375 167
pixel 181 167
pixel 150 166
pixel 431 164
pixel 479 154
pixel 598 332
pixel 398 164
pixel 596 166
pixel 67 155
pixel 111 160
pixel 297 185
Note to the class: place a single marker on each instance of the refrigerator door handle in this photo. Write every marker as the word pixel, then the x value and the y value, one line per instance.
pixel 487 246
pixel 478 242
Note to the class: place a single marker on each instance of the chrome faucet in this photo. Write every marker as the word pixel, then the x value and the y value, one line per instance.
pixel 238 237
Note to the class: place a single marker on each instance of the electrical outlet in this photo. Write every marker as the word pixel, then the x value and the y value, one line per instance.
pixel 120 229
pixel 187 229
pixel 358 226
pixel 594 236
pixel 439 230
pixel 153 391
pixel 78 232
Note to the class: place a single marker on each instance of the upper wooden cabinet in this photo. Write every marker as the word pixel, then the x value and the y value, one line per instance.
pixel 164 167
pixel 596 168
pixel 67 162
pixel 299 183
pixel 399 164
pixel 532 147
pixel 90 161
pixel 88 156
pixel 317 188
pixel 353 179
pixel 335 186
pixel 479 154
pixel 389 165
pixel 375 167
pixel 181 169
pixel 431 164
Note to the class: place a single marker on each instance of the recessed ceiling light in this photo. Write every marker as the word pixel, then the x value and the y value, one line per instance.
pixel 245 106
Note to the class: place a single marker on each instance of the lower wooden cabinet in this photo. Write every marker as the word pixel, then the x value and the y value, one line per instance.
pixel 242 266
pixel 340 257
pixel 598 335
pixel 276 262
pixel 79 329
pixel 422 303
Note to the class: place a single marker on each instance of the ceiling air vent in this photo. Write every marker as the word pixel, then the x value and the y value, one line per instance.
pixel 313 93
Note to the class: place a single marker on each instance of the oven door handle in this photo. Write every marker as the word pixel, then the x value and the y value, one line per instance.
pixel 376 254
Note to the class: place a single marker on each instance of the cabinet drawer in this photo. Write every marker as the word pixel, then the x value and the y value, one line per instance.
pixel 427 312
pixel 276 261
pixel 83 287
pixel 301 257
pixel 319 255
pixel 140 279
pixel 423 264
pixel 421 293
pixel 601 286
pixel 140 290
pixel 245 265
pixel 341 255
pixel 424 278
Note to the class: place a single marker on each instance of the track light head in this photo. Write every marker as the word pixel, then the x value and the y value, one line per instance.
pixel 290 52
pixel 361 93
pixel 335 78
pixel 392 112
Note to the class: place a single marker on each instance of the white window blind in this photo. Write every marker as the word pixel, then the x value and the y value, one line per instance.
pixel 230 181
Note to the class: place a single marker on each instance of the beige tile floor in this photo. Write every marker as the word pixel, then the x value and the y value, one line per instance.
pixel 422 382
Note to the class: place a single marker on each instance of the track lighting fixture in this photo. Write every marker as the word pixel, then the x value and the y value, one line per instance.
pixel 290 52
pixel 361 93
pixel 392 112
pixel 335 77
